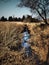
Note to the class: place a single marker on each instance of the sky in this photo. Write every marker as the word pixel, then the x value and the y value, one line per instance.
pixel 10 8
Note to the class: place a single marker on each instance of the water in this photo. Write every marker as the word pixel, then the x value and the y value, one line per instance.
pixel 25 43
pixel 26 37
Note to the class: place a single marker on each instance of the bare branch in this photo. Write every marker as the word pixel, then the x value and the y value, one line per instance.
pixel 41 6
pixel 40 14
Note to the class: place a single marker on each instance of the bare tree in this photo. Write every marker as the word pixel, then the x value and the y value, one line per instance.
pixel 39 6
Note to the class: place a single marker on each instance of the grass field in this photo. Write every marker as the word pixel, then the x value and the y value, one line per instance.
pixel 10 43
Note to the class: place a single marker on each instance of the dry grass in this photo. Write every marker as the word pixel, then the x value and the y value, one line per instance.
pixel 11 36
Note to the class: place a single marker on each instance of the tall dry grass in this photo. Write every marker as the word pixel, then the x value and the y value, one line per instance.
pixel 10 41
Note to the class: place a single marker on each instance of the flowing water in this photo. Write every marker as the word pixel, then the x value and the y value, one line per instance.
pixel 25 43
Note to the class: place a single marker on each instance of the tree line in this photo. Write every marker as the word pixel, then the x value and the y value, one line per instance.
pixel 28 18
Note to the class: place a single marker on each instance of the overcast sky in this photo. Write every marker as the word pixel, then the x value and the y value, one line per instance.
pixel 9 8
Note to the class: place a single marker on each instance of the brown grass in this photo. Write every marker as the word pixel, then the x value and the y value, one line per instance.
pixel 10 35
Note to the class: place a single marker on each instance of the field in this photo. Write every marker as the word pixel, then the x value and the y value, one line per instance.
pixel 11 52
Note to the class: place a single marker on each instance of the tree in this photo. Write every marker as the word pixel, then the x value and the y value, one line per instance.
pixel 29 18
pixel 15 19
pixel 3 18
pixel 19 19
pixel 23 18
pixel 39 6
pixel 10 18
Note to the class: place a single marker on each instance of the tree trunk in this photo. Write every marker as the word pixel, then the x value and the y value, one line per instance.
pixel 45 20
